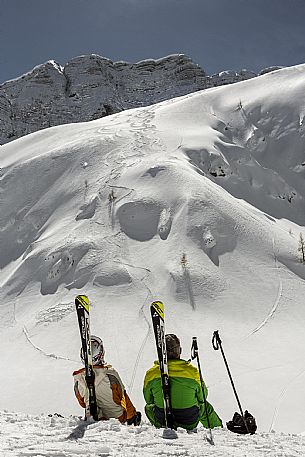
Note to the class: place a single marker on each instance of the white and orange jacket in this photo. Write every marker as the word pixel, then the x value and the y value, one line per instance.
pixel 111 397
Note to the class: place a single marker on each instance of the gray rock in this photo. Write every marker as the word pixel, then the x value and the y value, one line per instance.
pixel 90 87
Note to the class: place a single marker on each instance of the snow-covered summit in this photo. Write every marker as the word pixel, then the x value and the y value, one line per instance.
pixel 109 207
pixel 90 86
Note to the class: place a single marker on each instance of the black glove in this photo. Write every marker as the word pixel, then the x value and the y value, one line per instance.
pixel 135 420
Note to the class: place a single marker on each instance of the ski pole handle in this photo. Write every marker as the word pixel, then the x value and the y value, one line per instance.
pixel 194 348
pixel 216 341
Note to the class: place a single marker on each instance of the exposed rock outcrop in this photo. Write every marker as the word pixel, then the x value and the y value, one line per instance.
pixel 90 87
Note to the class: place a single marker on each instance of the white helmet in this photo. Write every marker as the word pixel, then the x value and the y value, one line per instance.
pixel 97 349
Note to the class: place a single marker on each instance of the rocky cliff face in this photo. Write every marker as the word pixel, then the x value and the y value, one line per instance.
pixel 90 87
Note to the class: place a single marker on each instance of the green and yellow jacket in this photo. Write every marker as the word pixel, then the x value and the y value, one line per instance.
pixel 185 390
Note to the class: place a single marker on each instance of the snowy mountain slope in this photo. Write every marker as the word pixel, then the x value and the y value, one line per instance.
pixel 109 207
pixel 89 87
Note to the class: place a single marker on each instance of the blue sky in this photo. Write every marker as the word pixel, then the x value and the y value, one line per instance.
pixel 216 34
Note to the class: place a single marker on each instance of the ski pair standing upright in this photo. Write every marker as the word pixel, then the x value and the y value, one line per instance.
pixel 157 315
pixel 98 387
pixel 83 315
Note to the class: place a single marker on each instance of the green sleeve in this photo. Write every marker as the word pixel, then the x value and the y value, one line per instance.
pixel 148 394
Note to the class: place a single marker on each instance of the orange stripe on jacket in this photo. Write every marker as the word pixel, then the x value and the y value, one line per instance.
pixel 123 400
pixel 79 397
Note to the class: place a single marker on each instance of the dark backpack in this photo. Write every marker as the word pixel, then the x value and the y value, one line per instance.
pixel 237 424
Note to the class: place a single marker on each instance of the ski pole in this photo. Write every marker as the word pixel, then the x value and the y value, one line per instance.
pixel 194 355
pixel 217 343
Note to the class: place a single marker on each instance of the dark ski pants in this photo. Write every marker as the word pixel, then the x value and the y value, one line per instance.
pixel 214 419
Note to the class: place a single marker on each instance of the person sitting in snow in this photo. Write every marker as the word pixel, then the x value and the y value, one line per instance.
pixel 187 400
pixel 111 397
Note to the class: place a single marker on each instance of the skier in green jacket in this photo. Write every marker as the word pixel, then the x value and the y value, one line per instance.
pixel 185 390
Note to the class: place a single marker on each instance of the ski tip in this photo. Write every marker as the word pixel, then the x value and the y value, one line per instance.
pixel 82 300
pixel 157 306
pixel 169 434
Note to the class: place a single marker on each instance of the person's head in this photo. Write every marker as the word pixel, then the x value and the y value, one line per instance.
pixel 97 349
pixel 173 347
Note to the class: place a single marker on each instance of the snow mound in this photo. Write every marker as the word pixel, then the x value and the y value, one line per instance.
pixel 26 435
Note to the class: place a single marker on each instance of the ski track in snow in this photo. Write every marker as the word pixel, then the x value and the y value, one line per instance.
pixel 281 398
pixel 53 356
pixel 278 298
pixel 134 371
pixel 149 329
pixel 143 138
pixel 270 315
pixel 46 436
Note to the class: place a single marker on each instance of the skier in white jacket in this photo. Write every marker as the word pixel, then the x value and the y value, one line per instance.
pixel 111 397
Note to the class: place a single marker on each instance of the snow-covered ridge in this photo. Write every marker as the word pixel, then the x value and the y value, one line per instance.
pixel 90 87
